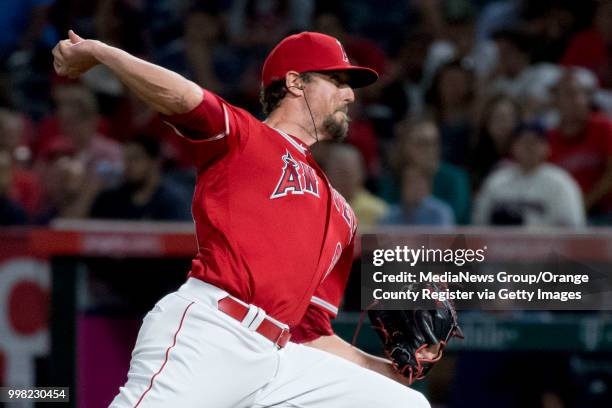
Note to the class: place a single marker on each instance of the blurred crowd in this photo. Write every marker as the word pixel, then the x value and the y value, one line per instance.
pixel 486 112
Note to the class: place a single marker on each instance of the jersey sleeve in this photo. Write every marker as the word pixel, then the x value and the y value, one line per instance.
pixel 325 302
pixel 210 130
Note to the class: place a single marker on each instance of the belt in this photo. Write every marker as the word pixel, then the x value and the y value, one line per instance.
pixel 271 329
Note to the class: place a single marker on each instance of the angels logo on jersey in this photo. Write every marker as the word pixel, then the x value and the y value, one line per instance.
pixel 297 178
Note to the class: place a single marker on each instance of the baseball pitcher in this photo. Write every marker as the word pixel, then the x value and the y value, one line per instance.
pixel 251 326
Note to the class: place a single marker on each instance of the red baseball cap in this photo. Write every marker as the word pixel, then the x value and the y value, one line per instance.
pixel 310 51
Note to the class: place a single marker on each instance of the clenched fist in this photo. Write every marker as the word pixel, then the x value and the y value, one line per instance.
pixel 74 56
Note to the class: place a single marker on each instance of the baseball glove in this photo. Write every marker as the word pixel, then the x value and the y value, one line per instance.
pixel 405 333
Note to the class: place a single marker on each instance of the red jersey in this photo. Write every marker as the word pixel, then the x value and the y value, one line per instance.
pixel 585 156
pixel 270 228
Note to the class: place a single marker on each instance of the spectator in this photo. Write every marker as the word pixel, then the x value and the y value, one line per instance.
pixel 256 23
pixel 405 94
pixel 530 192
pixel 134 117
pixel 203 28
pixel 11 213
pixel 451 98
pixel 345 168
pixel 360 50
pixel 69 190
pixel 363 136
pixel 516 77
pixel 582 143
pixel 122 23
pixel 514 51
pixel 142 194
pixel 418 145
pixel 491 147
pixel 13 136
pixel 76 127
pixel 253 28
pixel 550 24
pixel 23 24
pixel 458 41
pixel 591 48
pixel 418 206
pixel 25 187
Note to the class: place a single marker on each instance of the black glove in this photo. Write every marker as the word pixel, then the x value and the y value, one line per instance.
pixel 405 333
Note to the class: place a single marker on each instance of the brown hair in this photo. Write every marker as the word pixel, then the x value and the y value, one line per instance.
pixel 432 94
pixel 486 112
pixel 271 96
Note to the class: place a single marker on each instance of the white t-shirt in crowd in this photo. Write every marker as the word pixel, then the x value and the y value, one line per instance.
pixel 547 196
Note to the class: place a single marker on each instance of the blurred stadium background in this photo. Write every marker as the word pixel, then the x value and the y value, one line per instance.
pixel 494 114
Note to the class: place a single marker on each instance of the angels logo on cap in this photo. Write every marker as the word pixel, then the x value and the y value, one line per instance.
pixel 344 56
pixel 309 51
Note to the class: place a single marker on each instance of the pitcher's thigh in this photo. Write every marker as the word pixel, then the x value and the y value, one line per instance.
pixel 184 358
pixel 316 379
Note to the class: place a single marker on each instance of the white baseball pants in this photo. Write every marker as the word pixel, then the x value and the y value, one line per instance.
pixel 190 354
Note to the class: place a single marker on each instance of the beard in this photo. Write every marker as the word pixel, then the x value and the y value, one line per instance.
pixel 336 129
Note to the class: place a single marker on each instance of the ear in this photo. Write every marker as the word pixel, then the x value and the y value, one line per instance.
pixel 294 83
